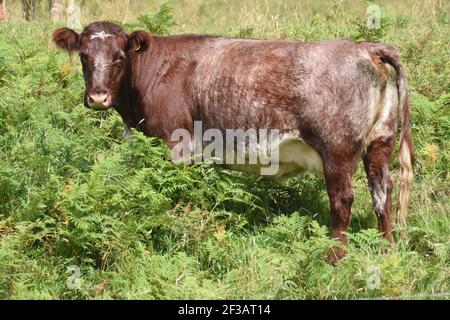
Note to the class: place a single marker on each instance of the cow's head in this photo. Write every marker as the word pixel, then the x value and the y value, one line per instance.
pixel 104 49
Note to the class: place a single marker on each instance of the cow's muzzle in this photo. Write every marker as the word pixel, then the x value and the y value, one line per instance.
pixel 99 100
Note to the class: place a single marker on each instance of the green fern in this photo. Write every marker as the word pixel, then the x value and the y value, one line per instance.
pixel 160 22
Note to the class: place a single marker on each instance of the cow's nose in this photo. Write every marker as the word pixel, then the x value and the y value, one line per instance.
pixel 99 100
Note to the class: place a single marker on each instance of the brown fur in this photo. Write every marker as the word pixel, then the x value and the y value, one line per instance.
pixel 322 90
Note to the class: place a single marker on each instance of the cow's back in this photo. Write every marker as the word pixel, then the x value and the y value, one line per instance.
pixel 285 85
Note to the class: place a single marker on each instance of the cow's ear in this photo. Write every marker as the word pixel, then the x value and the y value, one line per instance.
pixel 138 41
pixel 66 39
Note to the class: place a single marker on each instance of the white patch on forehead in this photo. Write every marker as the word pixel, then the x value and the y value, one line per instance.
pixel 101 35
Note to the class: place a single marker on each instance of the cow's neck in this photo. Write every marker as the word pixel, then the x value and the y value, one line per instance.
pixel 124 106
pixel 130 105
pixel 127 105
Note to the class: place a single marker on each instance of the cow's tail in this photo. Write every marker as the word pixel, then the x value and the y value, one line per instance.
pixel 406 155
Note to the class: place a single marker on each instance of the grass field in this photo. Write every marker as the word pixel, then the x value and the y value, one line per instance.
pixel 85 214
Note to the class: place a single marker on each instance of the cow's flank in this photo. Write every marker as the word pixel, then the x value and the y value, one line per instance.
pixel 333 102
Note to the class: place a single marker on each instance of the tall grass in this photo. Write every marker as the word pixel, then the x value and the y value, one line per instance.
pixel 72 192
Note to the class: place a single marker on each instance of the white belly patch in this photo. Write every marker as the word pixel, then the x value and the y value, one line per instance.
pixel 295 156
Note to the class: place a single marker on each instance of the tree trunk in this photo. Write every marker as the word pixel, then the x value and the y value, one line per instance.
pixel 73 14
pixel 2 10
pixel 28 7
pixel 56 11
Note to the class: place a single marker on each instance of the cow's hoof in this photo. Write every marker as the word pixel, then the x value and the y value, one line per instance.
pixel 335 255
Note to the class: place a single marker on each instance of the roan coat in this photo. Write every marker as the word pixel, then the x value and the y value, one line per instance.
pixel 334 101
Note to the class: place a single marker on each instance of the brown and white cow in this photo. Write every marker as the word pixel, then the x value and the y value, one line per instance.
pixel 334 101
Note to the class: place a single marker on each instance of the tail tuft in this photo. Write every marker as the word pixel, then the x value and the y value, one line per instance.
pixel 406 156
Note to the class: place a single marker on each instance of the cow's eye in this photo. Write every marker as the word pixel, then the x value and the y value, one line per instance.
pixel 118 64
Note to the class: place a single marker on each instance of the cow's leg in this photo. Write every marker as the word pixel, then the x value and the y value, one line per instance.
pixel 377 160
pixel 338 178
pixel 126 131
